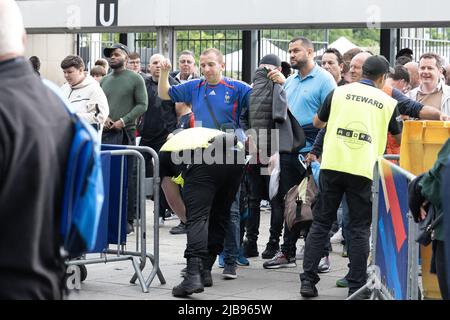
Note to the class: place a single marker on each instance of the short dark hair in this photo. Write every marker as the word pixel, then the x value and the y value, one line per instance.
pixel 286 68
pixel 374 67
pixel 402 60
pixel 98 71
pixel 72 61
pixel 400 73
pixel 336 53
pixel 102 62
pixel 431 55
pixel 306 43
pixel 350 54
pixel 36 63
pixel 405 52
pixel 134 56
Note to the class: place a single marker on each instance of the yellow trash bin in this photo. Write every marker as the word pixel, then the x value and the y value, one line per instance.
pixel 421 142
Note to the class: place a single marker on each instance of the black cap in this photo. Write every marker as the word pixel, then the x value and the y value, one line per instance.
pixel 375 66
pixel 404 52
pixel 107 51
pixel 272 59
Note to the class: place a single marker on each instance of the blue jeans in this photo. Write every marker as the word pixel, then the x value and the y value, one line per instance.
pixel 232 235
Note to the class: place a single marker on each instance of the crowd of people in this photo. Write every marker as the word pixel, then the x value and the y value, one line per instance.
pixel 340 111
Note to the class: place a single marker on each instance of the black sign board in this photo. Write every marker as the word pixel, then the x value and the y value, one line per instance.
pixel 107 13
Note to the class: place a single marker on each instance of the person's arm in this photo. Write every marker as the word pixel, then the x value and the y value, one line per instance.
pixel 430 113
pixel 244 118
pixel 141 102
pixel 244 108
pixel 163 82
pixel 321 118
pixel 395 127
pixel 99 98
pixel 276 76
pixel 319 123
pixel 318 143
pixel 415 109
pixel 173 196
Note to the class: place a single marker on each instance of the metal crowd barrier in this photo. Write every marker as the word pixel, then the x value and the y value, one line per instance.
pixel 393 270
pixel 145 187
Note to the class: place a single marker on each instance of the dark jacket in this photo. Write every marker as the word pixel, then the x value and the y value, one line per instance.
pixel 35 136
pixel 430 186
pixel 268 109
pixel 160 119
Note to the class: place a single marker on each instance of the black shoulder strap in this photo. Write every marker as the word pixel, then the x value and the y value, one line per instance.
pixel 211 112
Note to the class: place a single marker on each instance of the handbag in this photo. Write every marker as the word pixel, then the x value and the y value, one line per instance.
pixel 426 227
pixel 298 202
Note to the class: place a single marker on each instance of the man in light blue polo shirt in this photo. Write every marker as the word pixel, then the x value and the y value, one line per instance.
pixel 306 90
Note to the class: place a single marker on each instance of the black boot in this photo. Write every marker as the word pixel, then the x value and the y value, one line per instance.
pixel 207 266
pixel 192 283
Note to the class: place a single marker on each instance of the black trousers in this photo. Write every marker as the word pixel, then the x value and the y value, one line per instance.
pixel 439 266
pixel 258 190
pixel 163 205
pixel 333 185
pixel 208 192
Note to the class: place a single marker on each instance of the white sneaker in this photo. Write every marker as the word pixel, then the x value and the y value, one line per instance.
pixel 324 265
pixel 264 204
pixel 300 253
pixel 337 237
pixel 161 221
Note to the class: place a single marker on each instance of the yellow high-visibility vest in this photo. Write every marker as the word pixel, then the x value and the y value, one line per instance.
pixel 357 129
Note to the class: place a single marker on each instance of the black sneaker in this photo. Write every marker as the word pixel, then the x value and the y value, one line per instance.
pixel 250 249
pixel 272 248
pixel 179 229
pixel 229 271
pixel 308 290
pixel 170 215
pixel 363 295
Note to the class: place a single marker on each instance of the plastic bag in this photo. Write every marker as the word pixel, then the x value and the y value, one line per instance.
pixel 274 170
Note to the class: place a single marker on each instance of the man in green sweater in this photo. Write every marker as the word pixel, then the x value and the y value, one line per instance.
pixel 125 90
pixel 127 99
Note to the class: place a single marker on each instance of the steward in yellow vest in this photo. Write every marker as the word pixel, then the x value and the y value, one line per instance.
pixel 209 164
pixel 358 117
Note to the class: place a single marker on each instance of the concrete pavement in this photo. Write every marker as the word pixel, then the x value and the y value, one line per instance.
pixel 110 281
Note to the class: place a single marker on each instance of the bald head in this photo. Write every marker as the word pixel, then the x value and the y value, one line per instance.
pixel 12 32
pixel 413 70
pixel 154 66
pixel 356 66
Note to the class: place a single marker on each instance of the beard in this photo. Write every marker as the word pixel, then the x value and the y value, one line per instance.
pixel 299 64
pixel 117 64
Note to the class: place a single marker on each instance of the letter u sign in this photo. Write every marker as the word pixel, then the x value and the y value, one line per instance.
pixel 107 13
